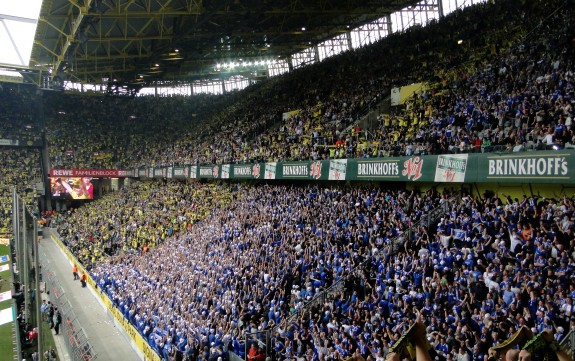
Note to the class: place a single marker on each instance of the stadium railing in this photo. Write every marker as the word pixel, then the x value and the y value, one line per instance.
pixel 76 340
pixel 568 343
pixel 15 311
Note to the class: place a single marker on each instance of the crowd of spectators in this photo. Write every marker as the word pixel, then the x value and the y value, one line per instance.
pixel 19 168
pixel 20 164
pixel 252 262
pixel 136 217
pixel 196 266
pixel 508 87
pixel 489 266
pixel 521 99
pixel 505 88
pixel 96 132
pixel 20 114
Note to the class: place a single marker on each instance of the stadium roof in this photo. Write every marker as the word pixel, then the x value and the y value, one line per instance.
pixel 139 40
pixel 17 26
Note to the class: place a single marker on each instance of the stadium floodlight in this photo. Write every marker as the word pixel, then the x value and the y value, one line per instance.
pixel 303 28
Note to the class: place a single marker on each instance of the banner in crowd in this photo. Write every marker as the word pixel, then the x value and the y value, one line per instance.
pixel 99 173
pixel 180 172
pixel 253 171
pixel 209 171
pixel 225 171
pixel 395 97
pixel 194 171
pixel 291 113
pixel 392 169
pixel 9 142
pixel 299 170
pixel 270 170
pixel 170 171
pixel 400 95
pixel 337 169
pixel 524 167
pixel 451 168
pixel 539 167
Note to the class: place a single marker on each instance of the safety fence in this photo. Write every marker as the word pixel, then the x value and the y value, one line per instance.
pixel 75 339
pixel 568 343
pixel 17 344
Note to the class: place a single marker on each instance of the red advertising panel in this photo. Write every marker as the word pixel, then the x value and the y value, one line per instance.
pixel 99 173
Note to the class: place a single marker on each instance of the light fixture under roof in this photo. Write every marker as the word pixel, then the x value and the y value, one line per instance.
pixel 172 58
pixel 172 55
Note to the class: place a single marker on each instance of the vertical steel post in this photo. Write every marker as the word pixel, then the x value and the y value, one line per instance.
pixel 26 265
pixel 37 289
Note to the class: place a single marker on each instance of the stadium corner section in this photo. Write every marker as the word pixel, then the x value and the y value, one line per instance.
pixel 145 352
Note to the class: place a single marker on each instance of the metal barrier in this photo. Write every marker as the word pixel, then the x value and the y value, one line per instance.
pixel 24 257
pixel 264 340
pixel 15 326
pixel 76 340
pixel 568 343
pixel 234 357
pixel 432 217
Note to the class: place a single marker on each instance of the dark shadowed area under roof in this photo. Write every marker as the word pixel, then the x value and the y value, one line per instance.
pixel 90 40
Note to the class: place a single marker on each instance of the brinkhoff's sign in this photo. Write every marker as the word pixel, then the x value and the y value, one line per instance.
pixel 245 171
pixel 206 172
pixel 295 170
pixel 548 166
pixel 302 170
pixel 378 169
pixel 538 167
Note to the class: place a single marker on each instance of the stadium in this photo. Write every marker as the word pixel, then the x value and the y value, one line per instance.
pixel 292 180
